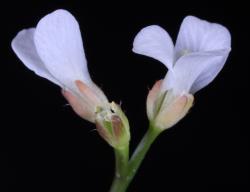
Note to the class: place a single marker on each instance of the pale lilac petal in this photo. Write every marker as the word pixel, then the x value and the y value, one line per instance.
pixel 59 44
pixel 209 74
pixel 198 35
pixel 194 71
pixel 155 42
pixel 24 47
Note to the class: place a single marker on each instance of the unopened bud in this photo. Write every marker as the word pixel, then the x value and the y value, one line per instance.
pixel 113 126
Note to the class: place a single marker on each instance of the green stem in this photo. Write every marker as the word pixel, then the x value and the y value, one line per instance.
pixel 121 167
pixel 128 170
pixel 141 151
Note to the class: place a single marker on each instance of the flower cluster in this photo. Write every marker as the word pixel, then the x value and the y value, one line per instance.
pixel 54 51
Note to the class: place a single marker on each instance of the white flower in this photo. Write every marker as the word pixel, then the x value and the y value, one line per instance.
pixel 196 59
pixel 54 50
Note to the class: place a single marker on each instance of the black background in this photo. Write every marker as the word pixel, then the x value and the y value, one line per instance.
pixel 52 149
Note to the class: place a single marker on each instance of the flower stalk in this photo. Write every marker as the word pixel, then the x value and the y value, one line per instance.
pixel 121 169
pixel 125 171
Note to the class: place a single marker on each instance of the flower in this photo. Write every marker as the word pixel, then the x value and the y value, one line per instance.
pixel 196 59
pixel 54 50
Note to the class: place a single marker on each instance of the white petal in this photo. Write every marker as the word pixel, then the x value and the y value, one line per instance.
pixel 194 71
pixel 209 74
pixel 59 45
pixel 168 82
pixel 155 42
pixel 197 35
pixel 24 47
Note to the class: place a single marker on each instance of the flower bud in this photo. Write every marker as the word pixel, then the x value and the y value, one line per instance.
pixel 113 126
pixel 165 109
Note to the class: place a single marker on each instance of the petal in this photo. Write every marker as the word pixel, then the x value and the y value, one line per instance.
pixel 199 35
pixel 59 45
pixel 24 47
pixel 155 42
pixel 168 82
pixel 209 74
pixel 194 71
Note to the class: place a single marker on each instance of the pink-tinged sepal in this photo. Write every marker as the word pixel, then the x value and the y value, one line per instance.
pixel 79 106
pixel 85 101
pixel 173 109
pixel 165 108
pixel 152 99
